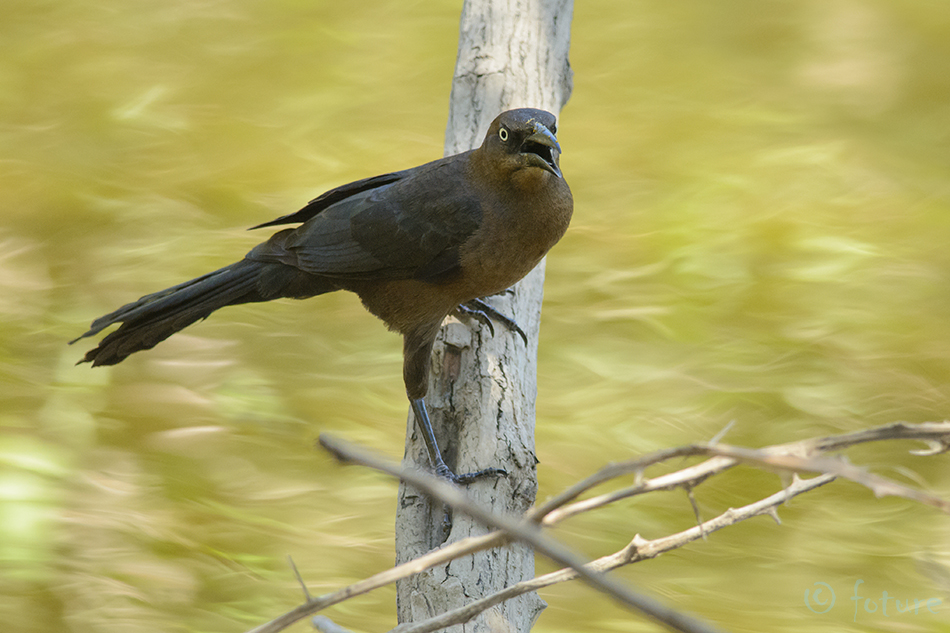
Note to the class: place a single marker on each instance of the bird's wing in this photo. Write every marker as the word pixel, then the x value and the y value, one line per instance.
pixel 329 198
pixel 409 228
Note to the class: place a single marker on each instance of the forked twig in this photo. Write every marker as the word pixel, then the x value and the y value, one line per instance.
pixel 804 456
pixel 523 530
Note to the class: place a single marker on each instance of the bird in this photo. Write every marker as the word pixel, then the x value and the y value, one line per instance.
pixel 415 246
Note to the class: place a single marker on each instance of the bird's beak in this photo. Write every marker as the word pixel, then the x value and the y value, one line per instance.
pixel 542 147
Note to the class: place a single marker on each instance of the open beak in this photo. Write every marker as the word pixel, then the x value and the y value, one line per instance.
pixel 543 145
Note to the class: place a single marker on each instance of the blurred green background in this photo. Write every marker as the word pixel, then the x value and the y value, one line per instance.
pixel 761 236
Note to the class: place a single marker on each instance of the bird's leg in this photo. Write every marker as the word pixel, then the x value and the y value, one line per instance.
pixel 435 455
pixel 483 312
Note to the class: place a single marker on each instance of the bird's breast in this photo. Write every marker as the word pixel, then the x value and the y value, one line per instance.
pixel 516 232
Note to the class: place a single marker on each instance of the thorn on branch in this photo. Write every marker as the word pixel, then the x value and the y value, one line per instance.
pixel 692 502
pixel 293 566
pixel 631 552
pixel 638 477
pixel 934 447
pixel 325 625
pixel 805 456
pixel 638 541
pixel 721 434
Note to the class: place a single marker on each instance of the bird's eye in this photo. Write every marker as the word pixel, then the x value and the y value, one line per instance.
pixel 503 135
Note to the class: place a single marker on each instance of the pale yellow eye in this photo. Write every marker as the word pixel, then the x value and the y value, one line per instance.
pixel 503 135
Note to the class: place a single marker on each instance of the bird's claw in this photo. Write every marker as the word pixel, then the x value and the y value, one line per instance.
pixel 480 310
pixel 477 314
pixel 442 471
pixel 467 478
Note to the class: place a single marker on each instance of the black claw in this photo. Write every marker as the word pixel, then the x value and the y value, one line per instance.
pixel 477 314
pixel 442 471
pixel 467 478
pixel 485 313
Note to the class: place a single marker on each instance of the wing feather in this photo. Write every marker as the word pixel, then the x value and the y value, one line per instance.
pixel 408 227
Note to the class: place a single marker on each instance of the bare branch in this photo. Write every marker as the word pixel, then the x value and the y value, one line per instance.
pixel 880 486
pixel 433 558
pixel 690 476
pixel 637 550
pixel 932 433
pixel 803 456
pixel 935 434
pixel 524 530
pixel 612 471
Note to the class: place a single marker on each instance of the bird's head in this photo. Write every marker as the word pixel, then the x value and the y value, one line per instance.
pixel 525 138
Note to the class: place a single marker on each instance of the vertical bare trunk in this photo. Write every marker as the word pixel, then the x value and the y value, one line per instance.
pixel 512 53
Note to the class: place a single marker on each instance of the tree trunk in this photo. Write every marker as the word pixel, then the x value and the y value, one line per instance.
pixel 482 390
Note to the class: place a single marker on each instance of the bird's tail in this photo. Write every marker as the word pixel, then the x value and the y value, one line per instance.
pixel 155 317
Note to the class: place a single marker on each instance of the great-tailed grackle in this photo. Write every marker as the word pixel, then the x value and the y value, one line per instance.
pixel 414 245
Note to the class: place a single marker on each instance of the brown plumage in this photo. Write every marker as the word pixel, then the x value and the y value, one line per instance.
pixel 414 245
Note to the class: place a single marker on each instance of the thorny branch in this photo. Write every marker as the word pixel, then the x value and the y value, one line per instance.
pixel 806 456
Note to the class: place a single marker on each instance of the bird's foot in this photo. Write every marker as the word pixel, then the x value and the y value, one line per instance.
pixel 480 315
pixel 480 310
pixel 442 471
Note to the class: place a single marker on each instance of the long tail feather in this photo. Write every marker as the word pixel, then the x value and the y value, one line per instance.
pixel 155 317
